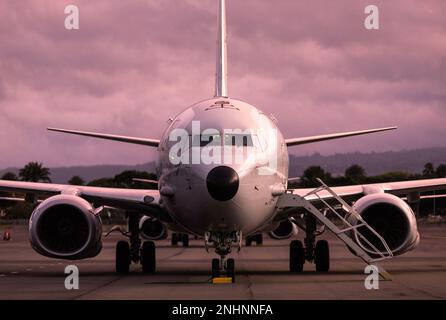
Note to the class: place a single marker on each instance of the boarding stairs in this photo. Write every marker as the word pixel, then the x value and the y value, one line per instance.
pixel 350 223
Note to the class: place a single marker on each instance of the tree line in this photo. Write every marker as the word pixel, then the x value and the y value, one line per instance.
pixel 36 172
pixel 355 174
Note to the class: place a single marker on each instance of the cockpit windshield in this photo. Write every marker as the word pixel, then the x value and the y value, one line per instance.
pixel 206 140
pixel 238 140
pixel 229 139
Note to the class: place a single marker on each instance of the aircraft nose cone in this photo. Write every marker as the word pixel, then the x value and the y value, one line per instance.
pixel 222 183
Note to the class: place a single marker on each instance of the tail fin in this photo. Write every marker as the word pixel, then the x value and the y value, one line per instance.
pixel 221 75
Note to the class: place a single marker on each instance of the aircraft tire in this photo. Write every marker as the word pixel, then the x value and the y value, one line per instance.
pixel 215 268
pixel 297 256
pixel 148 257
pixel 174 239
pixel 322 256
pixel 122 257
pixel 185 240
pixel 230 269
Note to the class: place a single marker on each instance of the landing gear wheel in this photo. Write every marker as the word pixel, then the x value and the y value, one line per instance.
pixel 322 256
pixel 259 239
pixel 174 239
pixel 297 256
pixel 185 240
pixel 230 269
pixel 122 257
pixel 215 268
pixel 148 259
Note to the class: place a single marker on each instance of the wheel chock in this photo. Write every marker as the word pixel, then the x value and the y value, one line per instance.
pixel 222 280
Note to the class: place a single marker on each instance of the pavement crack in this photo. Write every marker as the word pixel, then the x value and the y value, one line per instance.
pixel 83 294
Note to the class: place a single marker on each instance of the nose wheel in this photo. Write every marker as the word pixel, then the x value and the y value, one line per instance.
pixel 230 269
pixel 215 268
pixel 222 267
pixel 223 246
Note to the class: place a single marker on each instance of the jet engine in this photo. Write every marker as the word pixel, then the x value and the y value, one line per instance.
pixel 152 229
pixel 391 218
pixel 65 227
pixel 285 230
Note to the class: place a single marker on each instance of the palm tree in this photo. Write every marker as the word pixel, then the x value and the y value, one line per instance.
pixel 35 172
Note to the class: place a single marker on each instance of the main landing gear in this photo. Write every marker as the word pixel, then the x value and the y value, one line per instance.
pixel 257 238
pixel 132 250
pixel 223 242
pixel 180 237
pixel 317 252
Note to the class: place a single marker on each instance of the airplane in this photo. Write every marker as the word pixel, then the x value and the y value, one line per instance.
pixel 222 202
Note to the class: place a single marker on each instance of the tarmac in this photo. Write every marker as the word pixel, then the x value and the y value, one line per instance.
pixel 262 273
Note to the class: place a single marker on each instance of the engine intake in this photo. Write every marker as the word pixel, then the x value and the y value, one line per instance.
pixel 65 227
pixel 285 230
pixel 390 217
pixel 152 229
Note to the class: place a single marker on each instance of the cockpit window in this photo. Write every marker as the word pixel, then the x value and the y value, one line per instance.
pixel 238 140
pixel 206 140
pixel 230 139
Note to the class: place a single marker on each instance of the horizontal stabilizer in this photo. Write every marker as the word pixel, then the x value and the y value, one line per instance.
pixel 145 180
pixel 133 140
pixel 305 140
pixel 12 199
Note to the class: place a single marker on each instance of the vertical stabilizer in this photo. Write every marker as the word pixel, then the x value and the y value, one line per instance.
pixel 221 75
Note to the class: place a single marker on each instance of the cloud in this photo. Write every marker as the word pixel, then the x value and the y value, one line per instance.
pixel 132 65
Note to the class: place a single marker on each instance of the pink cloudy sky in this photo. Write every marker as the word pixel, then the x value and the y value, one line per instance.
pixel 133 64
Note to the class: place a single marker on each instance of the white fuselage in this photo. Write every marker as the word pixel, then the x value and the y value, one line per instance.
pixel 262 171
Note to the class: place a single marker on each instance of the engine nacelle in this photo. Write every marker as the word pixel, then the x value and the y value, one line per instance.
pixel 285 230
pixel 152 229
pixel 392 218
pixel 65 227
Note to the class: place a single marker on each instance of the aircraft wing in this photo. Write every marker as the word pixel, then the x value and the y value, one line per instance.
pixel 128 199
pixel 401 188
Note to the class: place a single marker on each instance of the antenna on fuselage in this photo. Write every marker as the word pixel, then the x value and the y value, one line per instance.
pixel 221 75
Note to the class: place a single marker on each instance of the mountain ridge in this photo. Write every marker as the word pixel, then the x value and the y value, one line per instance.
pixel 374 163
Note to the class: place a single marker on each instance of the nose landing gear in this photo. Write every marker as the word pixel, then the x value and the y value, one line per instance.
pixel 223 242
pixel 221 267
